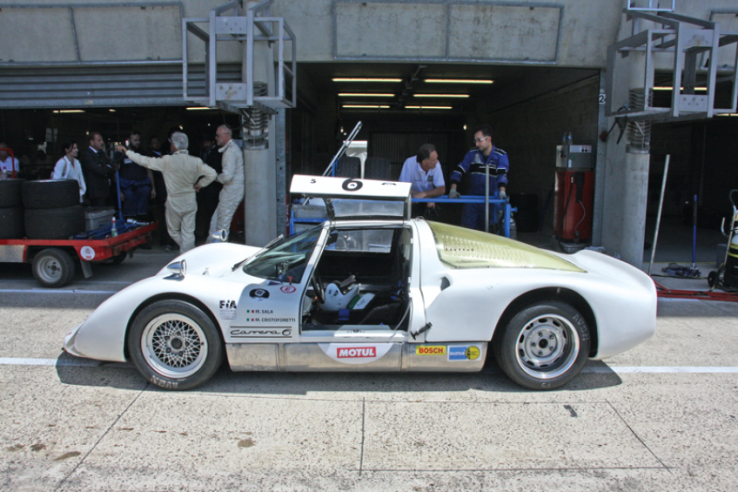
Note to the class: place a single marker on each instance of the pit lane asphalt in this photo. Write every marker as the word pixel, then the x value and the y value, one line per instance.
pixel 660 417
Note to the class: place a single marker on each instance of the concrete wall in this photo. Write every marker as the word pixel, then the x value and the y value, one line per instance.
pixel 529 132
pixel 417 30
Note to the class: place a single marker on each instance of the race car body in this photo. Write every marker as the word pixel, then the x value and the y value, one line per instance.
pixel 371 290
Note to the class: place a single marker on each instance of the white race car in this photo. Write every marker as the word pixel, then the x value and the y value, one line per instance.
pixel 371 290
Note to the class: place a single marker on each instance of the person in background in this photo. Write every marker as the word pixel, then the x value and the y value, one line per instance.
pixel 474 164
pixel 68 167
pixel 8 164
pixel 136 183
pixel 232 178
pixel 98 170
pixel 184 175
pixel 424 172
pixel 207 198
pixel 159 207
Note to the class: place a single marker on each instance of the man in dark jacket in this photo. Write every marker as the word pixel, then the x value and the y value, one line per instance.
pixel 98 169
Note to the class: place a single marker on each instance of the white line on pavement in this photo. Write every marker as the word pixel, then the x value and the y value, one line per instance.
pixel 660 369
pixel 12 361
pixel 55 291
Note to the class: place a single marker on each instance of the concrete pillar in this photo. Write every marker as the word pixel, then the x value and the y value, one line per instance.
pixel 260 207
pixel 626 171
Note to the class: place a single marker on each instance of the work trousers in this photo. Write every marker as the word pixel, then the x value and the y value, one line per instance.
pixel 181 221
pixel 230 198
pixel 472 216
pixel 135 197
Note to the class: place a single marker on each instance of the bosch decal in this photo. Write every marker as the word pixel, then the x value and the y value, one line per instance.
pixel 431 350
pixel 261 333
pixel 463 352
pixel 259 294
pixel 357 352
pixel 288 289
pixel 352 185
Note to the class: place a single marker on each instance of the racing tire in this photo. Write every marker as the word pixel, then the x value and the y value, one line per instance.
pixel 11 223
pixel 53 267
pixel 175 345
pixel 10 193
pixel 543 346
pixel 54 223
pixel 50 193
pixel 378 168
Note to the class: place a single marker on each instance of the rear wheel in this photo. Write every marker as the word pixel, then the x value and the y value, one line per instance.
pixel 175 345
pixel 53 267
pixel 544 346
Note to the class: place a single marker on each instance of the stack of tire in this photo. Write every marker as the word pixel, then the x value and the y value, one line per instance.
pixel 52 209
pixel 527 217
pixel 11 210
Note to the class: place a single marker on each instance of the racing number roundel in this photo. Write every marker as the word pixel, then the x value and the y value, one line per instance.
pixel 351 185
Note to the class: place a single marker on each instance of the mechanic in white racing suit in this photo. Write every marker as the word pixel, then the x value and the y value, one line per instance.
pixel 232 178
pixel 183 176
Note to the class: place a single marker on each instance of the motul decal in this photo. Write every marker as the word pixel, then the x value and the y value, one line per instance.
pixel 357 352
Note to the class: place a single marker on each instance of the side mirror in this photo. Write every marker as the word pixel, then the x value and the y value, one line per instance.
pixel 178 269
pixel 220 236
pixel 332 238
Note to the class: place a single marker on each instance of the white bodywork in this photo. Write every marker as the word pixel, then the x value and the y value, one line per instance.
pixel 457 308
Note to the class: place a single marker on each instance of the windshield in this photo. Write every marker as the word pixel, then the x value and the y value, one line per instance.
pixel 286 259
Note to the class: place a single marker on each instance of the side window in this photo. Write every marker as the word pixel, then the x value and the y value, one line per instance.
pixel 365 241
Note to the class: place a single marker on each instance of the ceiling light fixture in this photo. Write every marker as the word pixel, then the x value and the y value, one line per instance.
pixel 459 81
pixel 363 94
pixel 198 108
pixel 365 106
pixel 669 88
pixel 359 79
pixel 428 107
pixel 69 111
pixel 459 96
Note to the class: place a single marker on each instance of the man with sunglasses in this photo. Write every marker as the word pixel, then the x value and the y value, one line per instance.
pixel 474 163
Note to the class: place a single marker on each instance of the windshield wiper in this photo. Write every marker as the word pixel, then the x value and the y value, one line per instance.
pixel 269 244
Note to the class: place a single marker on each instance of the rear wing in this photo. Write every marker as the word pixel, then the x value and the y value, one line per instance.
pixel 356 198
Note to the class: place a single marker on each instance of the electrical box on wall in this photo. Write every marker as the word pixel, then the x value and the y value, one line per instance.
pixel 574 157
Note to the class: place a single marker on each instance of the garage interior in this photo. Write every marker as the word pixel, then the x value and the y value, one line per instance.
pixel 530 108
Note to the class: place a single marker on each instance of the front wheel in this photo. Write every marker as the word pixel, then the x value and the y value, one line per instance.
pixel 175 345
pixel 544 346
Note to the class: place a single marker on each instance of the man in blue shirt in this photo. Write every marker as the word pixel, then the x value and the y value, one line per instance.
pixel 474 163
pixel 424 172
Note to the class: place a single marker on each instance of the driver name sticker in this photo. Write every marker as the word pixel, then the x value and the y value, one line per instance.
pixel 227 309
pixel 87 253
pixel 463 352
pixel 288 289
pixel 259 294
pixel 355 353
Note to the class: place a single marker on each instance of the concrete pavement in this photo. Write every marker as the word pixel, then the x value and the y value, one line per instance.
pixel 71 424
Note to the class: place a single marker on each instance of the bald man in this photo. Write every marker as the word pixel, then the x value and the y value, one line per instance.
pixel 232 178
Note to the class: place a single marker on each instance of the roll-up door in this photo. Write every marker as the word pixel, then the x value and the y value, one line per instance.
pixel 104 85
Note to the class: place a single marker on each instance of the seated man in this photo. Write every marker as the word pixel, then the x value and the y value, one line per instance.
pixel 8 164
pixel 425 174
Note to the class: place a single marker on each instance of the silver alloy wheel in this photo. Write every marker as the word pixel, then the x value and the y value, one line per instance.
pixel 547 346
pixel 50 269
pixel 174 345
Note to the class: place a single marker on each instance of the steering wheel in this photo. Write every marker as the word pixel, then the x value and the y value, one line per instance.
pixel 317 284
